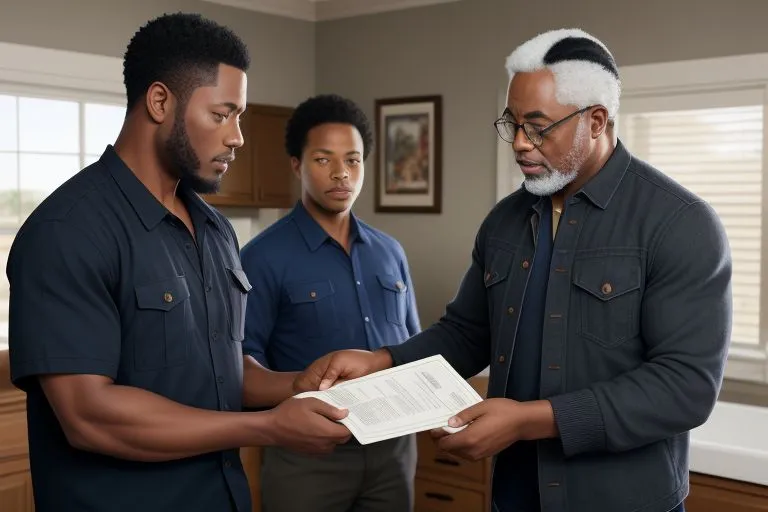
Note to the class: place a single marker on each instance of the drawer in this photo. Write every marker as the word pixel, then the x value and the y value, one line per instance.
pixel 437 497
pixel 433 460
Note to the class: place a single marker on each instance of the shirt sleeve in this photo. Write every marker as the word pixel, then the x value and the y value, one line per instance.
pixel 262 306
pixel 63 318
pixel 412 322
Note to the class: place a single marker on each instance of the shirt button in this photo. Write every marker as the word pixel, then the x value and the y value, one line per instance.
pixel 208 288
pixel 227 464
pixel 526 264
pixel 510 311
pixel 220 379
pixel 573 222
pixel 188 246
pixel 502 359
pixel 226 407
pixel 358 283
pixel 607 288
pixel 214 335
pixel 367 319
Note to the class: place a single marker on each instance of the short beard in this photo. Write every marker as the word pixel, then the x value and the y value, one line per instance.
pixel 555 180
pixel 185 165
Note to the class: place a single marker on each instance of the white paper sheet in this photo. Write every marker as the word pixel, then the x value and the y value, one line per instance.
pixel 403 400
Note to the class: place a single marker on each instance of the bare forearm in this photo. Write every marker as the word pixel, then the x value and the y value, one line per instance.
pixel 134 424
pixel 263 387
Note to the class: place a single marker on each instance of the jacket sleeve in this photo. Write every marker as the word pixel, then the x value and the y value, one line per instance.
pixel 686 316
pixel 462 335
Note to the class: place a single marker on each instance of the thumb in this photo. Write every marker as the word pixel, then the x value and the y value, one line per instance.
pixel 467 416
pixel 330 412
pixel 329 377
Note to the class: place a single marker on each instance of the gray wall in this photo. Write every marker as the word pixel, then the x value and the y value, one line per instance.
pixel 282 50
pixel 458 50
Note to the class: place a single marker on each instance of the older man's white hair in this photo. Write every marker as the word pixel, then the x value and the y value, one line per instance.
pixel 584 70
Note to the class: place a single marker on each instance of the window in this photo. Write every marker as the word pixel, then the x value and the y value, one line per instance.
pixel 707 131
pixel 44 140
pixel 717 154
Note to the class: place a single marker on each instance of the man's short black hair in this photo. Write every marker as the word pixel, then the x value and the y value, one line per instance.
pixel 183 51
pixel 323 109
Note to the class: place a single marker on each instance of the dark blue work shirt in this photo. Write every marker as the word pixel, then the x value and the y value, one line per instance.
pixel 310 297
pixel 516 475
pixel 106 281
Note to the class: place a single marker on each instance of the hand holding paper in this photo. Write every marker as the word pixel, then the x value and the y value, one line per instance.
pixel 402 400
pixel 494 424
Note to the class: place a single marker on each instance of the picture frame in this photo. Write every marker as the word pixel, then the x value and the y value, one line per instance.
pixel 409 146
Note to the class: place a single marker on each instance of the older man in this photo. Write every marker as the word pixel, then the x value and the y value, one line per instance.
pixel 599 293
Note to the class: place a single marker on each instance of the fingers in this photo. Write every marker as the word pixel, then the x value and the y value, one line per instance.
pixel 437 433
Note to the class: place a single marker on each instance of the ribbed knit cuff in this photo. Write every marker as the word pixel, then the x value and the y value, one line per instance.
pixel 580 422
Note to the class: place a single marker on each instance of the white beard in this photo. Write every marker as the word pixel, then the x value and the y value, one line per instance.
pixel 555 180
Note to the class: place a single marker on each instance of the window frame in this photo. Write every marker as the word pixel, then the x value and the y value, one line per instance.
pixel 737 74
pixel 31 71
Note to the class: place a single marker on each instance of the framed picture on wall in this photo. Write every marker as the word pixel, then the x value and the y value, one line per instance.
pixel 408 167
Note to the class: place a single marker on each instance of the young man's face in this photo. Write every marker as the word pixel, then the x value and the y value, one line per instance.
pixel 206 132
pixel 331 167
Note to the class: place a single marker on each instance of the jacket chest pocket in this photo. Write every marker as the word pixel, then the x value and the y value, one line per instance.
pixel 394 290
pixel 312 307
pixel 238 295
pixel 609 298
pixel 162 326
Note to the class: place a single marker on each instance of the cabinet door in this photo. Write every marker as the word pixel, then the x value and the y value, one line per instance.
pixel 711 494
pixel 273 178
pixel 16 492
pixel 251 457
pixel 237 186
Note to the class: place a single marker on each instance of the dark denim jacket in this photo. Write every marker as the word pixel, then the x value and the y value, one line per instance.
pixel 637 327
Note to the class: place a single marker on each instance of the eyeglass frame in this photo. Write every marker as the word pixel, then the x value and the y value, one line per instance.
pixel 541 133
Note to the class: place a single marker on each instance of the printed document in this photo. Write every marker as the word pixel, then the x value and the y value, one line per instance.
pixel 402 400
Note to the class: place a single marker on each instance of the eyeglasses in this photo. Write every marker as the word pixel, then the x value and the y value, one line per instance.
pixel 507 128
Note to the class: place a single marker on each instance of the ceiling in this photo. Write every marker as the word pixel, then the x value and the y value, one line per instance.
pixel 321 10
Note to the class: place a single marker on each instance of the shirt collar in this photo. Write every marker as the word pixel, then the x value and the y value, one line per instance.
pixel 602 186
pixel 149 210
pixel 599 190
pixel 315 236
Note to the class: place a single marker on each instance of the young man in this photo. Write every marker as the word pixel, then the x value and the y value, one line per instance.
pixel 600 296
pixel 322 281
pixel 127 303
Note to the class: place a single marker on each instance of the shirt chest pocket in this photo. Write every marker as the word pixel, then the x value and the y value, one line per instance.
pixel 238 294
pixel 395 298
pixel 608 294
pixel 313 308
pixel 162 327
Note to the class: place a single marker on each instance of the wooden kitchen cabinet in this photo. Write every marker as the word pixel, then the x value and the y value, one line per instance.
pixel 445 483
pixel 260 176
pixel 15 481
pixel 712 494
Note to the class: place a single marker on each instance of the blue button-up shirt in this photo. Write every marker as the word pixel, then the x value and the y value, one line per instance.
pixel 310 297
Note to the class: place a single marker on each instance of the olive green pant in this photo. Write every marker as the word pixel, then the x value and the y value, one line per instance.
pixel 373 478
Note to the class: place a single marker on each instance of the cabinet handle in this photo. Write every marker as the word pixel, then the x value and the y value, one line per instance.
pixel 438 496
pixel 447 462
